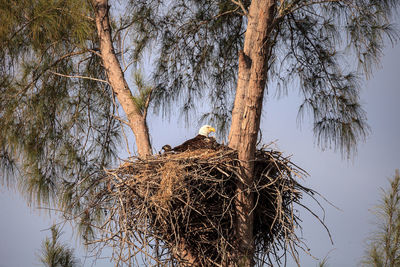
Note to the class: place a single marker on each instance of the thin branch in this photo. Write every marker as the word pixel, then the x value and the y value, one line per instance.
pixel 122 127
pixel 79 77
pixel 240 4
pixel 147 103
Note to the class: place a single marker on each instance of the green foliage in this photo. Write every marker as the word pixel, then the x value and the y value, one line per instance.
pixel 57 132
pixel 310 42
pixel 198 44
pixel 55 254
pixel 383 247
pixel 143 97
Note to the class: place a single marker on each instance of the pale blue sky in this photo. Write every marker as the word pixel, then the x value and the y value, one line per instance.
pixel 353 185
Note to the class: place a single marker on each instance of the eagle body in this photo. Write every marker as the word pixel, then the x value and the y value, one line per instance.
pixel 198 142
pixel 201 141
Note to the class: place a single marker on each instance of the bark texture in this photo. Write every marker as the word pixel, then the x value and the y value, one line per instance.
pixel 137 120
pixel 246 115
pixel 245 57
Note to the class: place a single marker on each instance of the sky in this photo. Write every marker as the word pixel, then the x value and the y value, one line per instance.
pixel 353 186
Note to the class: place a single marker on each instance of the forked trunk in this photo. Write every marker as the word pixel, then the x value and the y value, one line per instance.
pixel 137 121
pixel 246 116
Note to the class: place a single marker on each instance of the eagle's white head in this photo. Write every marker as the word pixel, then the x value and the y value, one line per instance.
pixel 206 130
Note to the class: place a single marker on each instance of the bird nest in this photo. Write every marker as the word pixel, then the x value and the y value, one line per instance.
pixel 175 206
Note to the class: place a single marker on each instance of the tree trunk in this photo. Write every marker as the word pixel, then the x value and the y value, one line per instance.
pixel 252 78
pixel 137 121
pixel 245 57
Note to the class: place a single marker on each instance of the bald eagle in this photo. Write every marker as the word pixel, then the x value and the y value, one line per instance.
pixel 200 141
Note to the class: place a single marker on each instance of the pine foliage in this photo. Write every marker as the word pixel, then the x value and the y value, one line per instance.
pixel 55 128
pixel 383 247
pixel 55 254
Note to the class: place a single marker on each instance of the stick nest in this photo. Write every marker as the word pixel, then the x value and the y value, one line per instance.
pixel 176 206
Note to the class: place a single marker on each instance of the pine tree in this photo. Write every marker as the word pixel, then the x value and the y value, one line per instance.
pixel 62 68
pixel 55 254
pixel 383 247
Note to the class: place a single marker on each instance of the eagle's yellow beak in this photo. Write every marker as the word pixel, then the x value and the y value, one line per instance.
pixel 206 129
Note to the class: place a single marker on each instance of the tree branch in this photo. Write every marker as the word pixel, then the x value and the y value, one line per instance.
pixel 79 77
pixel 240 4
